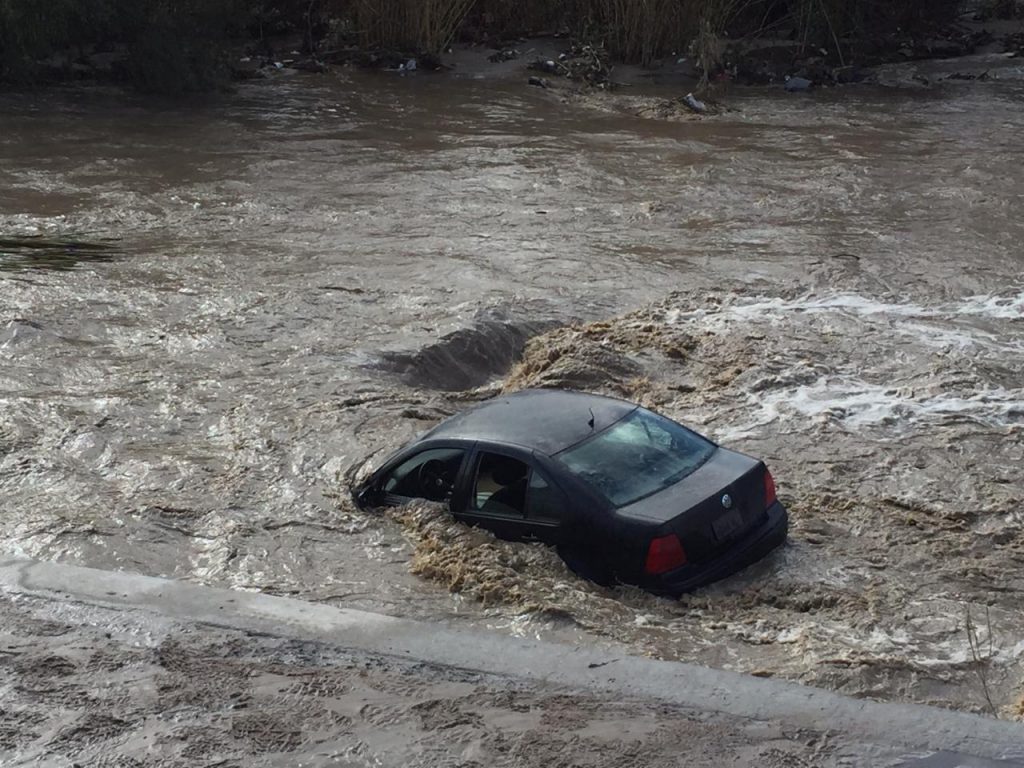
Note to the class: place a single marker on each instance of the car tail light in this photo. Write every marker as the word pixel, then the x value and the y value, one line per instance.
pixel 769 489
pixel 665 554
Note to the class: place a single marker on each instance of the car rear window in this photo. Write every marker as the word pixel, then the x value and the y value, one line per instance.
pixel 637 456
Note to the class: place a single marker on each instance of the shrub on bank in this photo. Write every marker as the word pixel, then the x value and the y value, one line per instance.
pixel 167 46
pixel 180 45
pixel 639 31
pixel 416 25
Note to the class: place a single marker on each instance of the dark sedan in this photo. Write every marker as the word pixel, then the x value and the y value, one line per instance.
pixel 623 493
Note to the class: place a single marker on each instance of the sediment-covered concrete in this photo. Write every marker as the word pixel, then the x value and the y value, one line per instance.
pixel 914 729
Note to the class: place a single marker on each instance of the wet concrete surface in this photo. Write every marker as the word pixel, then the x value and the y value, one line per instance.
pixel 831 282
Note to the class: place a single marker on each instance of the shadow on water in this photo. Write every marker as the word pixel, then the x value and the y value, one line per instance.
pixel 36 252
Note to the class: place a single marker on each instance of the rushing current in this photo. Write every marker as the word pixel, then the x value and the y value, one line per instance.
pixel 213 315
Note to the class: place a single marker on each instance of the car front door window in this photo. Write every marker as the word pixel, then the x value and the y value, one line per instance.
pixel 428 475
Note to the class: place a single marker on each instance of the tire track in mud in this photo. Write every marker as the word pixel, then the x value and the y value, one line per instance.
pixel 905 500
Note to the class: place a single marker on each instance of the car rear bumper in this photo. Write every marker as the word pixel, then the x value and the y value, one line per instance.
pixel 752 547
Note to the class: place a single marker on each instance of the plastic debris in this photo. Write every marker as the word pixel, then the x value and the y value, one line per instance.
pixel 694 103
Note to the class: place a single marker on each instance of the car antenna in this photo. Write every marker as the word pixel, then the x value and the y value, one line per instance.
pixel 591 422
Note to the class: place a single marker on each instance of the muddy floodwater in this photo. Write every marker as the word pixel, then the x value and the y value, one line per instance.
pixel 212 317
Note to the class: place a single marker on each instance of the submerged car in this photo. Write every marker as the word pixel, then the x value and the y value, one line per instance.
pixel 623 493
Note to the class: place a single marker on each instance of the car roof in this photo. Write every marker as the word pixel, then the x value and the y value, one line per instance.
pixel 544 420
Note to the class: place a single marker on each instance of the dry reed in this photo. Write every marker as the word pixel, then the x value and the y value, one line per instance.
pixel 412 25
pixel 642 31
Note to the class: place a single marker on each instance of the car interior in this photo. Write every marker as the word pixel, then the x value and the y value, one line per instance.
pixel 503 486
pixel 500 487
pixel 429 475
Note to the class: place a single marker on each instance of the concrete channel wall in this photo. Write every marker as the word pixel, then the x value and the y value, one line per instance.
pixel 708 690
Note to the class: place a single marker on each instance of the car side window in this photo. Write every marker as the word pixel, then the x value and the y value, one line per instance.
pixel 544 502
pixel 427 475
pixel 500 486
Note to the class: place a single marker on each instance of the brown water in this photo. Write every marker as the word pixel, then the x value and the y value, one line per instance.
pixel 212 315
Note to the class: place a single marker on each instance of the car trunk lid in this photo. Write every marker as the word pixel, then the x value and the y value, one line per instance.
pixel 712 507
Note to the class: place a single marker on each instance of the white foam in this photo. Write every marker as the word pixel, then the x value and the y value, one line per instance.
pixel 996 307
pixel 950 326
pixel 1001 307
pixel 959 338
pixel 857 404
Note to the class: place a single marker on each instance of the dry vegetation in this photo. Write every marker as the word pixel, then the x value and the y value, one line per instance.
pixel 642 30
pixel 419 25
pixel 177 44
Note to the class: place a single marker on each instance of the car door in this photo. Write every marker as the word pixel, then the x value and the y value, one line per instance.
pixel 509 495
pixel 547 508
pixel 433 474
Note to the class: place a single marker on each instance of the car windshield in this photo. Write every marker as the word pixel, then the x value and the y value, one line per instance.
pixel 637 456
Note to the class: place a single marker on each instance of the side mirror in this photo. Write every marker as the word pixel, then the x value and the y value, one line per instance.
pixel 367 495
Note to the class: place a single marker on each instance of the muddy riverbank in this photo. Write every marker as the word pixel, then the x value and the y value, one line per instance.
pixel 832 282
pixel 192 693
pixel 115 669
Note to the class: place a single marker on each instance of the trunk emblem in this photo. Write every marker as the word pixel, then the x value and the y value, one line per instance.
pixel 727 501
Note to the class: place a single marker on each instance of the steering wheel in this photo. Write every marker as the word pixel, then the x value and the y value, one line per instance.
pixel 435 480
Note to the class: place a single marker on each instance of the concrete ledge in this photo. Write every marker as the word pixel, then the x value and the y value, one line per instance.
pixel 908 726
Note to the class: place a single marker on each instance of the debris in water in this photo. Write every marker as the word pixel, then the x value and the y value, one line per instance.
pixel 473 562
pixel 695 104
pixel 547 66
pixel 505 54
pixel 598 357
pixel 584 63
